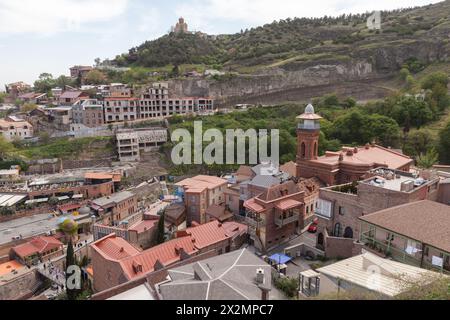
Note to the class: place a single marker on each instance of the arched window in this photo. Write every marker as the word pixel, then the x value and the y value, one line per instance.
pixel 303 150
pixel 348 233
pixel 337 230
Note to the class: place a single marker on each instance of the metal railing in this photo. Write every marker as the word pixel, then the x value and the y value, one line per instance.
pixel 282 222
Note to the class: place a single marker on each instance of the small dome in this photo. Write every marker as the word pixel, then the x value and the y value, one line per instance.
pixel 309 109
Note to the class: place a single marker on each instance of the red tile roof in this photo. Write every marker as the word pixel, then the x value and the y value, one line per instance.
pixel 254 206
pixel 72 94
pixel 207 234
pixel 115 248
pixel 37 245
pixel 199 183
pixel 367 155
pixel 166 253
pixel 191 241
pixel 144 225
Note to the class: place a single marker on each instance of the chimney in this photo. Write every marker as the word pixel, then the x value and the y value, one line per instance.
pixel 260 276
pixel 341 157
pixel 349 152
pixel 355 150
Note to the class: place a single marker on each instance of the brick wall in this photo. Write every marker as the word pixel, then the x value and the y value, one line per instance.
pixel 152 278
pixel 338 247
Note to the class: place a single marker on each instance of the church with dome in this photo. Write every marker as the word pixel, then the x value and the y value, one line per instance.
pixel 345 166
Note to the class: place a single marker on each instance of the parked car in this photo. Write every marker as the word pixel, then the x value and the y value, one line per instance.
pixel 313 227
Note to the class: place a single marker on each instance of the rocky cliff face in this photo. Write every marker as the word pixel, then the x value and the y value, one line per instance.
pixel 366 64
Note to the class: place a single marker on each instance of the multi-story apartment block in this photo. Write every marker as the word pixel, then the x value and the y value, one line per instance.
pixel 14 128
pixel 199 193
pixel 131 143
pixel 88 113
pixel 116 207
pixel 155 103
pixel 340 207
pixel 275 215
pixel 120 109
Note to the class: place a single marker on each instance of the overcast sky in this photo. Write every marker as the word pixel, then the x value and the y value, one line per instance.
pixel 51 35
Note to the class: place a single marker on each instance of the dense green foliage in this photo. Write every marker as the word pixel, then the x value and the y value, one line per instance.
pixel 298 39
pixel 46 82
pixel 444 144
pixel 70 261
pixel 60 148
pixel 289 286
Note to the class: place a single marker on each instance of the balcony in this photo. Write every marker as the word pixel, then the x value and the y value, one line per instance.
pixel 255 223
pixel 283 222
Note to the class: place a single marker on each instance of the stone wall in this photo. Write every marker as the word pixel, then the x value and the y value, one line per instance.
pixel 20 287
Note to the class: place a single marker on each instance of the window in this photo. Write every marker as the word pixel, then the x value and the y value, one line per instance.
pixel 303 150
pixel 337 230
pixel 324 208
pixel 341 210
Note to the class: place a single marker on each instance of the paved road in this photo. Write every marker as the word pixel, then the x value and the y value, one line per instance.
pixel 27 227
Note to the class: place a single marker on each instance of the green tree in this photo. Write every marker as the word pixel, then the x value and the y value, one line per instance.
pixel 418 142
pixel 175 71
pixel 6 148
pixel 428 159
pixel 444 144
pixel 404 73
pixel 70 261
pixel 411 112
pixel 27 107
pixel 349 103
pixel 95 77
pixel 45 83
pixel 437 83
pixel 160 231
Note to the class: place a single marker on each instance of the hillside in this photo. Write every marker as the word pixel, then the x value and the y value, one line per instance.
pixel 299 59
pixel 295 42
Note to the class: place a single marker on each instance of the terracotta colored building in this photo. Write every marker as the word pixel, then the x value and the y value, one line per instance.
pixel 199 193
pixel 340 207
pixel 38 249
pixel 91 186
pixel 115 261
pixel 116 207
pixel 345 166
pixel 275 215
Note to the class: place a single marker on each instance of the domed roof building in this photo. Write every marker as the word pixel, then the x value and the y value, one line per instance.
pixel 347 165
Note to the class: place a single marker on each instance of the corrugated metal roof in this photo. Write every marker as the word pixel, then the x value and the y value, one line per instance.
pixel 376 274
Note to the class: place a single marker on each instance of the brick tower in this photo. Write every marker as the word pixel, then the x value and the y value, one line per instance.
pixel 308 133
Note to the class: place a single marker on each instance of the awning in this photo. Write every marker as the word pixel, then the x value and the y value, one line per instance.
pixel 77 196
pixel 279 258
pixel 36 201
pixel 63 198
